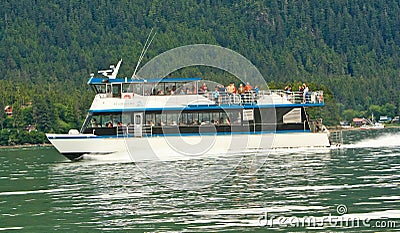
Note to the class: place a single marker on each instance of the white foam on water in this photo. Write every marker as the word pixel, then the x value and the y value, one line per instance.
pixel 112 157
pixel 385 140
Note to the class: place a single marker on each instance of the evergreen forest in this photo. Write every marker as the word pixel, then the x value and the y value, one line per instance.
pixel 349 49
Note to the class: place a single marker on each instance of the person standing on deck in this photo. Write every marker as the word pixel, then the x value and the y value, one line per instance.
pixel 248 89
pixel 305 93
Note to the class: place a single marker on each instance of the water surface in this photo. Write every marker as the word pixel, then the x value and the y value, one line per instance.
pixel 40 190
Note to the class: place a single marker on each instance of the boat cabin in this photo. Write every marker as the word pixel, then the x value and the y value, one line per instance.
pixel 126 88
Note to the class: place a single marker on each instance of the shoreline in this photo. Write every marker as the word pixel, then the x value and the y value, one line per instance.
pixel 26 146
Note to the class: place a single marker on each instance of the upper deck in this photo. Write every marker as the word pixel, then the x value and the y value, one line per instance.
pixel 180 93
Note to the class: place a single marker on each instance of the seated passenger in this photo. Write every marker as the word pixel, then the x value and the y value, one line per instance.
pixel 203 89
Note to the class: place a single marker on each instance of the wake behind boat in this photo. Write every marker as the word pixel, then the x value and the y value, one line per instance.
pixel 186 117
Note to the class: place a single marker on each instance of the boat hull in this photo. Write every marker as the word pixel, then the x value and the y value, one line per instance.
pixel 182 147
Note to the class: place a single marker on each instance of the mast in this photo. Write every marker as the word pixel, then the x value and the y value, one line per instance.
pixel 144 50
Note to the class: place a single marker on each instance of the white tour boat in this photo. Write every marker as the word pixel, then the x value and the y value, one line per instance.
pixel 177 118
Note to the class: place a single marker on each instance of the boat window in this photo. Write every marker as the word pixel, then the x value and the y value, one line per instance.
pixel 127 88
pixel 170 88
pixel 204 118
pixel 100 88
pixel 161 119
pixel 94 122
pixel 138 119
pixel 186 119
pixel 294 116
pixel 150 119
pixel 235 117
pixel 126 119
pixel 215 117
pixel 172 118
pixel 149 89
pixel 116 90
pixel 192 118
pixel 132 88
pixel 104 119
pixel 188 88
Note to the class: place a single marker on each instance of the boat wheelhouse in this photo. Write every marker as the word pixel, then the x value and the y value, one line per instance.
pixel 136 114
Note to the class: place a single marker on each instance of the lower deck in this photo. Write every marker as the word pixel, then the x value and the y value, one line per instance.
pixel 197 122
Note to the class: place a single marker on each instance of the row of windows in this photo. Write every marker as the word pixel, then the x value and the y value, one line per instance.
pixel 147 88
pixel 193 118
pixel 170 118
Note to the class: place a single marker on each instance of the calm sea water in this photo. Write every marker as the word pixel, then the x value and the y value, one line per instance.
pixel 40 191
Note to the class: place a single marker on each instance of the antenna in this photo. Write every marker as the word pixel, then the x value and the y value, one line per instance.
pixel 144 50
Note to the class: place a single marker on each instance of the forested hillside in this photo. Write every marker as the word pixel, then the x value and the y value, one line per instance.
pixel 49 48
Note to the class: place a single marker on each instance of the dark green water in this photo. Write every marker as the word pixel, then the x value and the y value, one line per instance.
pixel 40 191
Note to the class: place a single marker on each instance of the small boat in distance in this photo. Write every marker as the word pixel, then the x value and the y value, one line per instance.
pixel 164 118
pixel 372 125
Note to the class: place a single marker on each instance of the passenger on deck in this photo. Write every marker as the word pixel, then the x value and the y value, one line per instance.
pixel 230 89
pixel 248 92
pixel 256 89
pixel 306 93
pixel 248 87
pixel 288 89
pixel 241 91
pixel 203 89
pixel 299 97
pixel 288 92
pixel 216 95
pixel 109 125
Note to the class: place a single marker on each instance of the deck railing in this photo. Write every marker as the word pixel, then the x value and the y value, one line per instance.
pixel 252 97
pixel 297 97
pixel 123 131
